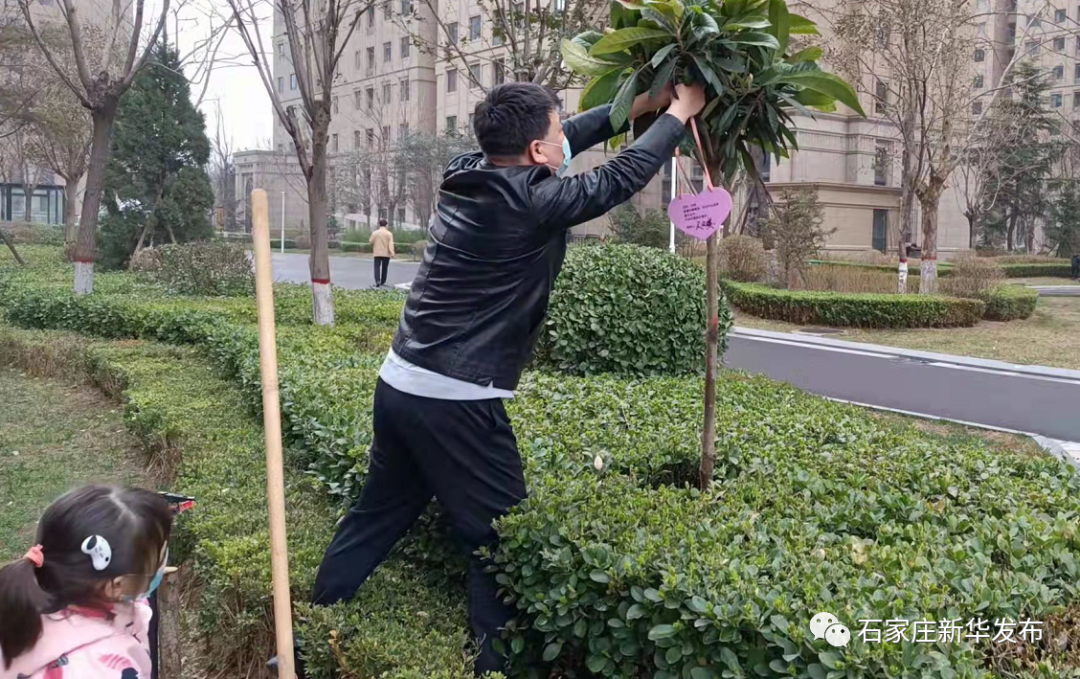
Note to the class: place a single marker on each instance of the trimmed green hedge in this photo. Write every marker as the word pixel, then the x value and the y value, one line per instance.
pixel 617 571
pixel 1011 302
pixel 627 309
pixel 854 310
pixel 1062 270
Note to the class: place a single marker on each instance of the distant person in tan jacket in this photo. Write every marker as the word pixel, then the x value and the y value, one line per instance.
pixel 382 247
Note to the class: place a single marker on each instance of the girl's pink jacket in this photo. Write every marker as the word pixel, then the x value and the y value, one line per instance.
pixel 86 644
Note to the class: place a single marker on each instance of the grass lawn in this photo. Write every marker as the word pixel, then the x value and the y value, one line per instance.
pixel 1050 337
pixel 54 437
pixel 1044 280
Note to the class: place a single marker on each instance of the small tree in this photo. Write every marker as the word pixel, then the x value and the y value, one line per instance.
pixel 1063 230
pixel 100 84
pixel 649 228
pixel 753 80
pixel 156 182
pixel 795 227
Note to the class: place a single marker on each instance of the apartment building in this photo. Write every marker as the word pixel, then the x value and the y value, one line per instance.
pixel 431 77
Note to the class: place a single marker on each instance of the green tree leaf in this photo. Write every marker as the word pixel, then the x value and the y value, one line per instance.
pixel 799 25
pixel 625 38
pixel 661 632
pixel 624 100
pixel 710 75
pixel 600 90
pixel 829 659
pixel 780 22
pixel 807 54
pixel 596 663
pixel 827 84
pixel 552 651
pixel 663 77
pixel 702 673
pixel 754 38
pixel 661 54
pixel 579 60
pixel 749 22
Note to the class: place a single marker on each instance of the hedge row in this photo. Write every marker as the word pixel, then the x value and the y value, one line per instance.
pixel 1061 270
pixel 1010 303
pixel 854 310
pixel 621 571
pixel 409 623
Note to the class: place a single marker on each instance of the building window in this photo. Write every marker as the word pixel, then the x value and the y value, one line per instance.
pixel 371 18
pixel 404 130
pixel 475 74
pixel 1076 73
pixel 357 101
pixel 499 72
pixel 356 140
pixel 1032 48
pixel 882 35
pixel 292 81
pixel 281 84
pixel 1059 73
pixel 387 53
pixel 497 35
pixel 474 28
pixel 980 55
pixel 983 5
pixel 370 139
pixel 1059 16
pixel 1055 100
pixel 880 234
pixel 406 7
pixel 451 80
pixel 401 215
pixel 982 30
pixel 976 107
pixel 451 124
pixel 370 60
pixel 451 33
pixel 281 49
pixel 881 97
pixel 1010 34
pixel 337 109
pixel 385 135
pixel 356 60
pixel 370 98
pixel 386 10
pixel 766 167
pixel 1076 100
pixel 404 96
pixel 405 45
pixel 881 164
pixel 387 95
pixel 1033 21
pixel 334 143
pixel 1059 44
pixel 979 82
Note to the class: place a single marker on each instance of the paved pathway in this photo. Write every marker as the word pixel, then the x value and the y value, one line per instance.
pixel 355 273
pixel 1058 290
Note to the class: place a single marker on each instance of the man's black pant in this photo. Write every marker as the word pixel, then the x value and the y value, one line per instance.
pixel 465 455
pixel 382 265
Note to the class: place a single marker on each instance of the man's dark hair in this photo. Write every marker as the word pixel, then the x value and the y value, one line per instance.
pixel 512 116
pixel 382 222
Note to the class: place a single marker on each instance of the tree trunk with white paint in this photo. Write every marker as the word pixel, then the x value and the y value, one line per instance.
pixel 95 188
pixel 928 268
pixel 71 194
pixel 901 286
pixel 321 292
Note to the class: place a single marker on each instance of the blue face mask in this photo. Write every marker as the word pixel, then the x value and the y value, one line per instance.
pixel 155 583
pixel 567 155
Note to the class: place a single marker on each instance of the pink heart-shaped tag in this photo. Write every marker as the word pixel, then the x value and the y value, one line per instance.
pixel 701 215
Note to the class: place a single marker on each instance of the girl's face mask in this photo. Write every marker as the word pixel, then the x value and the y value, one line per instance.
pixel 155 583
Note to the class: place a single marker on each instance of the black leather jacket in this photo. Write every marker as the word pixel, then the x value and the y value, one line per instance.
pixel 478 302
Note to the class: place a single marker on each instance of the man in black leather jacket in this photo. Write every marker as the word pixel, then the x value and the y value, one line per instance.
pixel 470 323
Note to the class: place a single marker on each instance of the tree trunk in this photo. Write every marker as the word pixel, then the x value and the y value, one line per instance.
pixel 100 150
pixel 971 230
pixel 928 269
pixel 321 292
pixel 907 202
pixel 1010 231
pixel 11 246
pixel 1029 237
pixel 71 191
pixel 712 314
pixel 28 200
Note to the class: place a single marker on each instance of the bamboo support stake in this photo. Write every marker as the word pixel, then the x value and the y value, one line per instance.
pixel 712 311
pixel 275 481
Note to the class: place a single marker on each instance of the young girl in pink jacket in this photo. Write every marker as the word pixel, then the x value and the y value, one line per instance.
pixel 75 606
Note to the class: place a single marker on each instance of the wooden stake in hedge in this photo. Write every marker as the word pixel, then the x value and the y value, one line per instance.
pixel 275 479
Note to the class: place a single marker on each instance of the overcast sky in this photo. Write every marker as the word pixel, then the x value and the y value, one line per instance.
pixel 234 89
